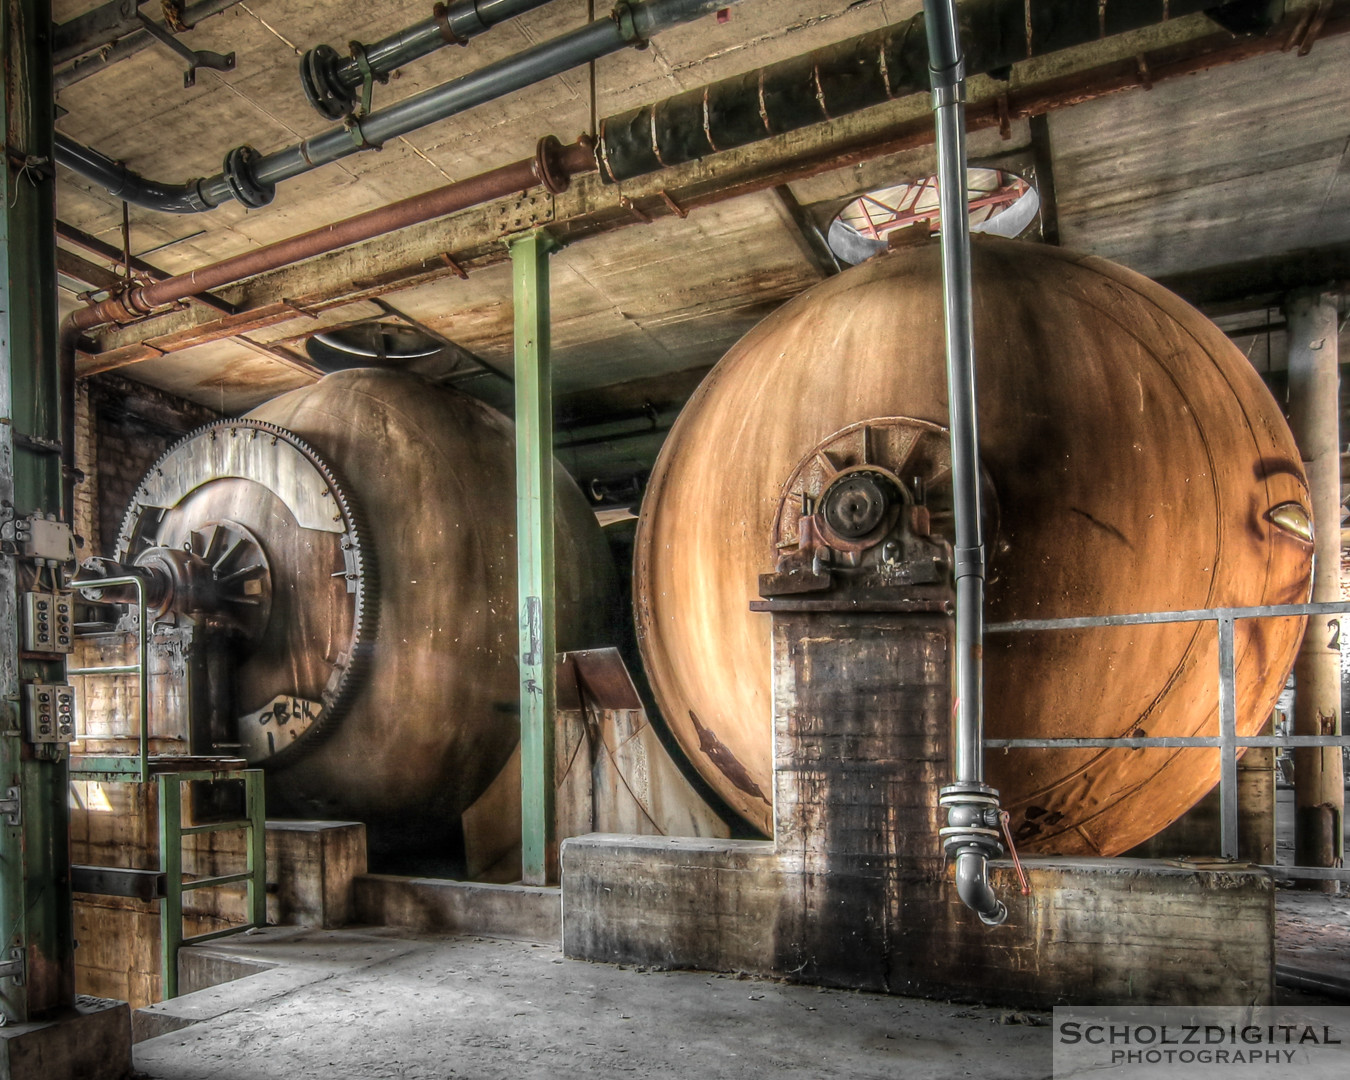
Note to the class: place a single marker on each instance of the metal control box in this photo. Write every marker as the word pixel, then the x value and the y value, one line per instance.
pixel 45 539
pixel 50 710
pixel 47 625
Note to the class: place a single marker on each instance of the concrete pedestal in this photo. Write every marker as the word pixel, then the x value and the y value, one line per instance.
pixel 855 892
pixel 92 1043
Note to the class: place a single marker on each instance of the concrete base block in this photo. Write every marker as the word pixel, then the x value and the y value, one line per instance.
pixel 313 864
pixel 92 1043
pixel 429 905
pixel 1104 931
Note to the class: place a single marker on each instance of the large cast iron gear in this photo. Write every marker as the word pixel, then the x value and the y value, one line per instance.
pixel 281 462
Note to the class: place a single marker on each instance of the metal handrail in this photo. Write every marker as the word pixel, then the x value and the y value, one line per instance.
pixel 117 767
pixel 1228 741
pixel 171 834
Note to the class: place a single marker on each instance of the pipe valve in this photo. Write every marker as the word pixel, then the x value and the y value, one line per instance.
pixel 971 839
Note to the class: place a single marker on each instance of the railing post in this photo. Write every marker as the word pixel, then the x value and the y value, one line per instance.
pixel 256 812
pixel 534 553
pixel 171 862
pixel 1228 776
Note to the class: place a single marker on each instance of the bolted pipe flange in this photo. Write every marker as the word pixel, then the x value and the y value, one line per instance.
pixel 238 172
pixel 548 168
pixel 972 819
pixel 332 98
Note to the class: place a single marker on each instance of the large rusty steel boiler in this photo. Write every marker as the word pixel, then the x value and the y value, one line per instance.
pixel 1134 463
pixel 351 547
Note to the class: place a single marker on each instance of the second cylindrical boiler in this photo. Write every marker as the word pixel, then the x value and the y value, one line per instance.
pixel 1135 463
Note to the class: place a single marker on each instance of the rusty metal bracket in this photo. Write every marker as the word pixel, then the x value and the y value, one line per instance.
pixel 455 268
pixel 675 208
pixel 633 208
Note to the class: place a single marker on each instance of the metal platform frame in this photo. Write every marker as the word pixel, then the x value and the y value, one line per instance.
pixel 140 768
pixel 1228 742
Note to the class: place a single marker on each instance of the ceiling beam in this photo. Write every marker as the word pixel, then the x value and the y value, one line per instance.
pixel 1261 283
pixel 473 238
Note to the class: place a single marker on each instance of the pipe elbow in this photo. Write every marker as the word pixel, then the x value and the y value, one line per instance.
pixel 972 884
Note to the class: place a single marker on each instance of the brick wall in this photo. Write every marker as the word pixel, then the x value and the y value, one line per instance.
pixel 122 427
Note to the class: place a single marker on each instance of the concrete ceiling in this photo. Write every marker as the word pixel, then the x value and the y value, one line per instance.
pixel 1237 163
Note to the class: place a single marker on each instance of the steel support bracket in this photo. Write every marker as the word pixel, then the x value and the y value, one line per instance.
pixel 12 807
pixel 194 58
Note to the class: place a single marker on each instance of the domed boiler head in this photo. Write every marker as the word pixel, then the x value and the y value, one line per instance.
pixel 1136 460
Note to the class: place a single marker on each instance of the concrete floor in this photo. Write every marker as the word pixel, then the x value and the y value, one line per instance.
pixel 379 1005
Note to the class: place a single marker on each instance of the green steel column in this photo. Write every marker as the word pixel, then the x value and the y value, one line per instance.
pixel 35 897
pixel 534 553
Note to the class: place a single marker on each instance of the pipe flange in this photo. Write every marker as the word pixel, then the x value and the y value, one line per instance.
pixel 238 173
pixel 441 14
pixel 548 167
pixel 331 98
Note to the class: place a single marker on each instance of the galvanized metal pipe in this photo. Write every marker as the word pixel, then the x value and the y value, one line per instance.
pixel 971 836
pixel 251 178
pixel 332 83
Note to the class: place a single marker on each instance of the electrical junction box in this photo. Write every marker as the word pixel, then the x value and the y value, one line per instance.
pixel 47 625
pixel 44 539
pixel 50 709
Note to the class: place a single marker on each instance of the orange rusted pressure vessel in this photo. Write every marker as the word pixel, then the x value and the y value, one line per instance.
pixel 1135 459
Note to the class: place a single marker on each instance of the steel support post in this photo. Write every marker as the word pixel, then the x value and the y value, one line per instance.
pixel 534 554
pixel 37 951
pixel 1314 417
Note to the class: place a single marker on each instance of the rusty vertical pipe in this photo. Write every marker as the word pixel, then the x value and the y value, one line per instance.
pixel 1314 417
pixel 553 166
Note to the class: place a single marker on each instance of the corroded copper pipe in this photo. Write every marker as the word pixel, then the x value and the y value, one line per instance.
pixel 552 166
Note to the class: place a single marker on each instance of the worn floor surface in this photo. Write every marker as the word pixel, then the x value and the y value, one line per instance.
pixel 385 1006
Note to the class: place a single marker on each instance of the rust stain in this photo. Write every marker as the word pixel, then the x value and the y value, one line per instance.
pixel 726 762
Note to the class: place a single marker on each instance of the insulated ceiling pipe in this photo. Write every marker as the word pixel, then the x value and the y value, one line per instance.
pixel 971 835
pixel 333 83
pixel 251 178
pixel 865 71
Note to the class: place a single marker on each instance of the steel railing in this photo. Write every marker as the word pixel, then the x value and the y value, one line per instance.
pixel 1227 742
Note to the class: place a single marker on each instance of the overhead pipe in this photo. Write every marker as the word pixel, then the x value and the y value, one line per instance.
pixel 251 177
pixel 333 83
pixel 553 165
pixel 865 71
pixel 971 836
